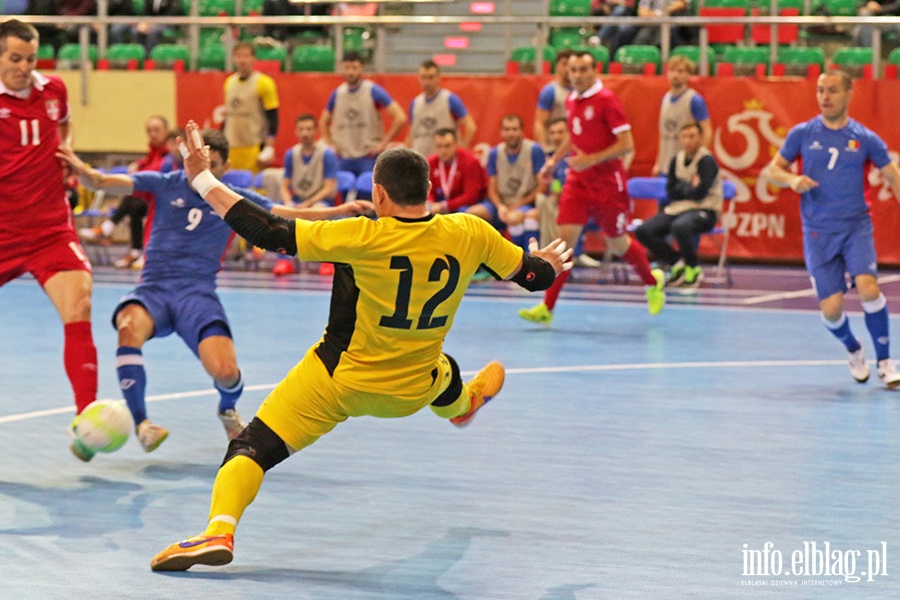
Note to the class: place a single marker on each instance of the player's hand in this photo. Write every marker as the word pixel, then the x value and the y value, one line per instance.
pixel 194 152
pixel 266 157
pixel 356 207
pixel 803 184
pixel 555 253
pixel 580 161
pixel 71 161
pixel 545 175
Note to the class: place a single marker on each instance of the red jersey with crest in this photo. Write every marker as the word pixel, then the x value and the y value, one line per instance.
pixel 32 196
pixel 595 118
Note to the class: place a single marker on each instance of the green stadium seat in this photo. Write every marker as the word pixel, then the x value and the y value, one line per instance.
pixel 693 53
pixel 138 6
pixel 123 56
pixel 215 8
pixel 636 59
pixel 566 37
pixel 521 60
pixel 355 39
pixel 211 57
pixel 212 36
pixel 601 57
pixel 893 64
pixel 169 56
pixel 69 56
pixel 46 56
pixel 744 61
pixel 570 8
pixel 838 8
pixel 799 61
pixel 856 61
pixel 276 56
pixel 313 58
pixel 252 7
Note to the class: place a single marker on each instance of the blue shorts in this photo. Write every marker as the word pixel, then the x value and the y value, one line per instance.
pixel 357 166
pixel 190 309
pixel 831 256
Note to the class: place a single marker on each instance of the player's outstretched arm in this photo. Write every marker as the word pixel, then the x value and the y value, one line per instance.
pixel 891 174
pixel 539 267
pixel 315 213
pixel 93 179
pixel 776 172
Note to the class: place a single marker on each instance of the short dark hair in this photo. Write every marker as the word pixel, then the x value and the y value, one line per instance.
pixel 17 29
pixel 159 118
pixel 446 131
pixel 563 55
pixel 217 141
pixel 306 117
pixel 429 64
pixel 352 56
pixel 241 45
pixel 556 120
pixel 583 53
pixel 513 117
pixel 403 173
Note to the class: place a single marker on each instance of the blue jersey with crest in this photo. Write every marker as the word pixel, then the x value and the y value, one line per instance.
pixel 837 159
pixel 187 237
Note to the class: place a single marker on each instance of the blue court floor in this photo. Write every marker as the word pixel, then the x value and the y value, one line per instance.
pixel 628 456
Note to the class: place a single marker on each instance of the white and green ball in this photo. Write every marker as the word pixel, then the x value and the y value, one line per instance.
pixel 104 425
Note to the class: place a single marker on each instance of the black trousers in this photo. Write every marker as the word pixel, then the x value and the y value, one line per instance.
pixel 684 227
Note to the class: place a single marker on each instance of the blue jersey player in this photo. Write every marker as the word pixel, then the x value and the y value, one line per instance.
pixel 835 152
pixel 177 292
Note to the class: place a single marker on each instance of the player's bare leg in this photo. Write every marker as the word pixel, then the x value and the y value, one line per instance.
pixel 220 360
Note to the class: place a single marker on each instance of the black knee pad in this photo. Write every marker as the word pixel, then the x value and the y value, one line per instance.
pixel 453 390
pixel 258 443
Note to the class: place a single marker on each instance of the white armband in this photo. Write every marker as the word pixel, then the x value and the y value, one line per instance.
pixel 205 182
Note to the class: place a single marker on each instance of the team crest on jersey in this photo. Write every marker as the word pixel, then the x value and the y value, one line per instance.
pixel 588 113
pixel 853 145
pixel 178 203
pixel 5 113
pixel 815 145
pixel 52 109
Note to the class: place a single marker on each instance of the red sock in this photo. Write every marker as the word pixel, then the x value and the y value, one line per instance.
pixel 636 256
pixel 80 358
pixel 553 291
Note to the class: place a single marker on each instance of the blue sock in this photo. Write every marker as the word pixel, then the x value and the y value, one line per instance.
pixel 229 396
pixel 841 330
pixel 877 324
pixel 132 380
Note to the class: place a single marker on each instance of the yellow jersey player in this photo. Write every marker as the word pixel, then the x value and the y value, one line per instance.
pixel 251 112
pixel 397 285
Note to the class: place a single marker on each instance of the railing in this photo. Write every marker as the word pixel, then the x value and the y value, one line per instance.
pixel 542 28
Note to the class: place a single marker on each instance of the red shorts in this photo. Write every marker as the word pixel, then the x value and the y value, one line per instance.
pixel 604 198
pixel 43 258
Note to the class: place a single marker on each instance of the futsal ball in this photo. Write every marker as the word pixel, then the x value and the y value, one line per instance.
pixel 104 425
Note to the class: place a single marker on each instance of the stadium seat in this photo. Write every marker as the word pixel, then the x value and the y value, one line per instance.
pixel 654 188
pixel 601 57
pixel 319 58
pixel 273 57
pixel 521 60
pixel 216 8
pixel 799 61
pixel 693 53
pixel 566 37
pixel 46 57
pixel 345 185
pixel 725 34
pixel 69 56
pixel 211 35
pixel 570 8
pixel 743 61
pixel 123 56
pixel 856 61
pixel 636 60
pixel 252 8
pixel 355 39
pixel 893 63
pixel 238 177
pixel 363 186
pixel 211 57
pixel 169 56
pixel 785 34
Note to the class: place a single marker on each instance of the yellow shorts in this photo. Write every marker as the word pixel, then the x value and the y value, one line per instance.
pixel 308 403
pixel 244 158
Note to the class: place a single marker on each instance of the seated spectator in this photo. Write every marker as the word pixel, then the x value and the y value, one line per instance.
pixel 120 33
pixel 547 203
pixel 694 190
pixel 286 8
pixel 513 168
pixel 150 34
pixel 874 9
pixel 611 8
pixel 310 169
pixel 650 34
pixel 458 181
pixel 49 34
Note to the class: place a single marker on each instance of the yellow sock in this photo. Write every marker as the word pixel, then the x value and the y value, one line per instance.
pixel 458 407
pixel 235 488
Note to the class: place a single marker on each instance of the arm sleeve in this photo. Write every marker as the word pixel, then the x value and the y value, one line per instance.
pixel 473 185
pixel 267 92
pixel 698 108
pixel 492 163
pixel 331 99
pixel 457 108
pixel 412 105
pixel 791 147
pixel 537 159
pixel 147 181
pixel 707 169
pixel 261 228
pixel 329 164
pixel 251 196
pixel 878 150
pixel 272 122
pixel 288 164
pixel 380 96
pixel 614 115
pixel 546 98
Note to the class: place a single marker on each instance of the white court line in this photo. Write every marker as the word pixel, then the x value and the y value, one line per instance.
pixel 740 364
pixel 803 293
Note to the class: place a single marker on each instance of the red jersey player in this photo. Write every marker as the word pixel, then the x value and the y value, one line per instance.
pixel 36 228
pixel 599 135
